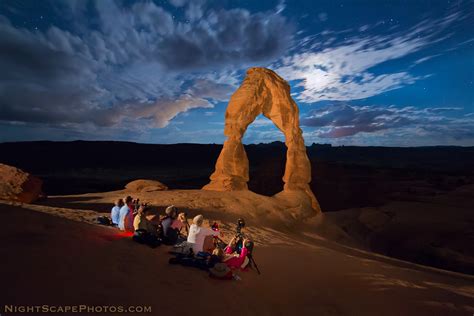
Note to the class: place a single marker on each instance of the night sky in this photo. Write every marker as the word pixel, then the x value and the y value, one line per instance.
pixel 388 73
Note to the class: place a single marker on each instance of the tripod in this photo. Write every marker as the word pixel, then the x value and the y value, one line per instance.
pixel 217 240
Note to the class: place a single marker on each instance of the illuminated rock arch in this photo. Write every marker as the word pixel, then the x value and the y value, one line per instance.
pixel 263 92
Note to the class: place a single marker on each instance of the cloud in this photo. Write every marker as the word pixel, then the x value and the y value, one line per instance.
pixel 323 16
pixel 178 3
pixel 254 135
pixel 210 89
pixel 340 120
pixel 212 38
pixel 162 111
pixel 125 62
pixel 345 70
pixel 261 121
pixel 280 7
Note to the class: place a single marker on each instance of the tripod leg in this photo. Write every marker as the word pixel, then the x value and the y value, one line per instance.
pixel 254 264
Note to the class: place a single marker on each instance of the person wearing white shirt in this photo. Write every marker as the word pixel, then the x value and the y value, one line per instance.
pixel 197 234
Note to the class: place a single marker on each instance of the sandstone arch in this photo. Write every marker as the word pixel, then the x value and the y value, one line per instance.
pixel 264 92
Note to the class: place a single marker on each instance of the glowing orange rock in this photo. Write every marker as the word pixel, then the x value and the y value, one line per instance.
pixel 264 92
pixel 17 185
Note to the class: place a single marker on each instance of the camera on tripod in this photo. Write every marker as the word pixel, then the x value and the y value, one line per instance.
pixel 239 236
pixel 240 225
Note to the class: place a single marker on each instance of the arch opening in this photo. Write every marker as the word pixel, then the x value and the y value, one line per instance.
pixel 267 159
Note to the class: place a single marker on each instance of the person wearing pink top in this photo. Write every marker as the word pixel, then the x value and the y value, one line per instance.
pixel 235 260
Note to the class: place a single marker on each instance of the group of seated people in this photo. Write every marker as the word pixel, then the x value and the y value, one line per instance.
pixel 129 216
pixel 173 229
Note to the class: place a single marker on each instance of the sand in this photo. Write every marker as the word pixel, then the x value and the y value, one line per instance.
pixel 53 254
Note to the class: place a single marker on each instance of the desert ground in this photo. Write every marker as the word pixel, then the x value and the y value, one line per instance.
pixel 60 256
pixel 395 237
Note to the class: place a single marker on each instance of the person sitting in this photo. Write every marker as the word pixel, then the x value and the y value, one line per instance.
pixel 216 266
pixel 181 223
pixel 145 231
pixel 175 231
pixel 141 222
pixel 216 257
pixel 126 216
pixel 115 213
pixel 169 234
pixel 197 234
pixel 233 259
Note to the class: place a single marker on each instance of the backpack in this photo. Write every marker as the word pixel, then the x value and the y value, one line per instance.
pixel 104 220
pixel 143 237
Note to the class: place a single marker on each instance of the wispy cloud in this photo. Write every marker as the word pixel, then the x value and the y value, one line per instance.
pixel 344 71
pixel 342 120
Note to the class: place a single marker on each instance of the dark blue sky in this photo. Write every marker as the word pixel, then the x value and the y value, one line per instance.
pixel 390 73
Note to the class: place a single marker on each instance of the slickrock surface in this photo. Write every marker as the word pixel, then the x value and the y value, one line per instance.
pixel 145 186
pixel 17 185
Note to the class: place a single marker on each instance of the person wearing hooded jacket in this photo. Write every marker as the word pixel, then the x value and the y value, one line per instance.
pixel 233 259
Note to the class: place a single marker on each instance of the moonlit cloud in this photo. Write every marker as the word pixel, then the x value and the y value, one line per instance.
pixel 344 71
pixel 135 62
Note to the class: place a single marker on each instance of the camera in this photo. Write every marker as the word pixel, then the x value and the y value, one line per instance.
pixel 239 235
pixel 136 205
pixel 240 225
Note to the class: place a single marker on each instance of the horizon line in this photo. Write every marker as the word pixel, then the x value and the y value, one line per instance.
pixel 219 144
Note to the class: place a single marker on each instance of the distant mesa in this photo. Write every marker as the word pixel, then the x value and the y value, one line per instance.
pixel 142 185
pixel 19 186
pixel 264 92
